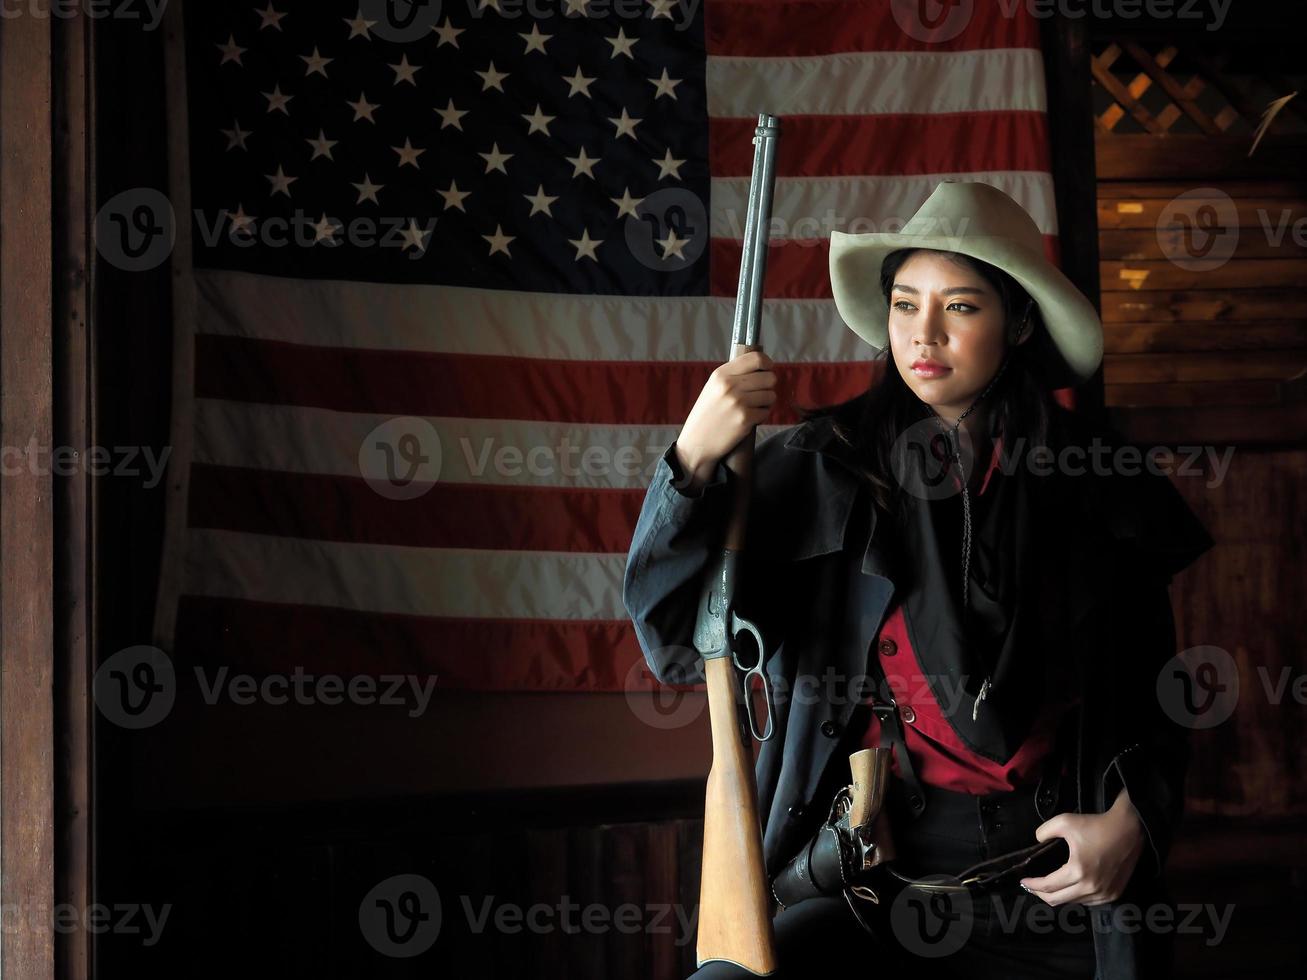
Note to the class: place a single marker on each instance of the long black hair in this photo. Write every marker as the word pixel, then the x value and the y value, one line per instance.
pixel 1020 401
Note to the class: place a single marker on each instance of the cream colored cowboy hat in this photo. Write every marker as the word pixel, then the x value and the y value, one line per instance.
pixel 981 221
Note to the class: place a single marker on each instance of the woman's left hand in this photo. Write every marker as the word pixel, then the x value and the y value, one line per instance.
pixel 1105 847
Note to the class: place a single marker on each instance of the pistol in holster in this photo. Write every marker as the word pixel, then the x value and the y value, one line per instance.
pixel 855 838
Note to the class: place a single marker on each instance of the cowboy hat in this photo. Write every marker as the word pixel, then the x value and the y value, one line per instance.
pixel 978 220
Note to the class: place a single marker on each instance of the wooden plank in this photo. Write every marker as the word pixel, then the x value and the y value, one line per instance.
pixel 1143 338
pixel 660 889
pixel 27 776
pixel 73 386
pixel 1130 189
pixel 586 956
pixel 1204 304
pixel 1192 394
pixel 1160 245
pixel 1178 157
pixel 1279 365
pixel 1250 425
pixel 1233 274
pixel 1263 213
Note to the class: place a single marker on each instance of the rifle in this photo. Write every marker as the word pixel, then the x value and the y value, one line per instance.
pixel 735 904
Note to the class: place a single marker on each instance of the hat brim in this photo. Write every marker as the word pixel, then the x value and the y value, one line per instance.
pixel 1074 327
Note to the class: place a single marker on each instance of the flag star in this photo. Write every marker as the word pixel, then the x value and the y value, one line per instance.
pixel 240 221
pixel 575 7
pixel 673 245
pixel 668 166
pixel 270 18
pixel 540 202
pixel 415 237
pixel 664 86
pixel 322 146
pixel 317 65
pixel 404 72
pixel 579 83
pixel 280 182
pixel 493 4
pixel 622 44
pixel 448 34
pixel 625 124
pixel 277 101
pixel 495 160
pixel 368 190
pixel 236 137
pixel 449 116
pixel 585 246
pixel 453 196
pixel 408 154
pixel 539 121
pixel 231 51
pixel 582 164
pixel 325 230
pixel 626 204
pixel 535 41
pixel 499 241
pixel 661 8
pixel 490 78
pixel 363 109
pixel 360 26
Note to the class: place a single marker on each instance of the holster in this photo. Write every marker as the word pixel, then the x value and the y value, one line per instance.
pixel 855 838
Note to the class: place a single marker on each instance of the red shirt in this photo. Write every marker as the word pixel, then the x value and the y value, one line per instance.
pixel 938 755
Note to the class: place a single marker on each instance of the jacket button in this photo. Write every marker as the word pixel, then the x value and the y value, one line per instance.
pixel 909 715
pixel 888 647
pixel 830 729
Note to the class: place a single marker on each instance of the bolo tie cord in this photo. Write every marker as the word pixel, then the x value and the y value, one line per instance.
pixel 953 442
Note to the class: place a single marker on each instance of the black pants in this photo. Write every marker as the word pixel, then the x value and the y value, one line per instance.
pixel 1001 933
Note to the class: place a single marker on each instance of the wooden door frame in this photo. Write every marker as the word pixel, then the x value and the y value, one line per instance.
pixel 46 209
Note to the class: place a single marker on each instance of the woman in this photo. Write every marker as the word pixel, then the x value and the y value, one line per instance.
pixel 1000 626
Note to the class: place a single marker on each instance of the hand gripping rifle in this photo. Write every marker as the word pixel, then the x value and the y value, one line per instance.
pixel 735 904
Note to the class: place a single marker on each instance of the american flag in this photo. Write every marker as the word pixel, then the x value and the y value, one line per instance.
pixel 455 274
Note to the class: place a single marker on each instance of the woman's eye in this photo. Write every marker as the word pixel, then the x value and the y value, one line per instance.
pixel 903 306
pixel 967 306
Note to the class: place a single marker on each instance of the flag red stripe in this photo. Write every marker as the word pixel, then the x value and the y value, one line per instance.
pixel 781 28
pixel 478 386
pixel 347 508
pixel 795 269
pixel 835 146
pixel 478 654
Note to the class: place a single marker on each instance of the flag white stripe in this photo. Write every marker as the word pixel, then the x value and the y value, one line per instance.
pixel 809 208
pixel 497 322
pixel 540 454
pixel 451 582
pixel 864 83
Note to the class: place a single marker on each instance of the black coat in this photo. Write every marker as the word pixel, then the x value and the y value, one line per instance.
pixel 819 581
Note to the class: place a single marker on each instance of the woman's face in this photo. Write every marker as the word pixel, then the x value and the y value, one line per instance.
pixel 945 330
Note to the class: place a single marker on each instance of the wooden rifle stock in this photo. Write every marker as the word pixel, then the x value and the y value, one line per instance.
pixel 735 903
